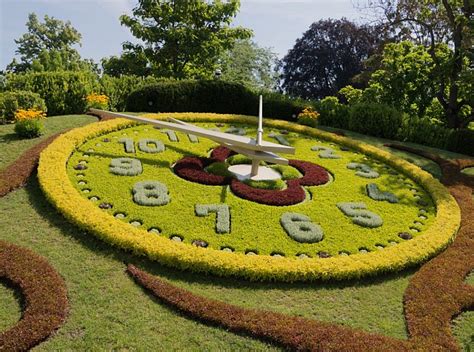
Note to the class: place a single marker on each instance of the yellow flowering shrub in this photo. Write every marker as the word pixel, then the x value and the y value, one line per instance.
pixel 308 117
pixel 97 101
pixel 28 123
pixel 30 114
pixel 59 190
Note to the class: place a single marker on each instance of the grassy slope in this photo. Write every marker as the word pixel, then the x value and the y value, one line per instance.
pixel 12 146
pixel 108 311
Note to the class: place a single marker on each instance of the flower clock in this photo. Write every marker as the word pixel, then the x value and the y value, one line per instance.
pixel 338 210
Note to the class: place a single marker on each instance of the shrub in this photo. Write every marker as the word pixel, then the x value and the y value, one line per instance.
pixel 63 91
pixel 10 102
pixel 375 119
pixel 461 141
pixel 29 128
pixel 308 117
pixel 97 101
pixel 28 123
pixel 209 96
pixel 332 113
pixel 119 88
pixel 424 131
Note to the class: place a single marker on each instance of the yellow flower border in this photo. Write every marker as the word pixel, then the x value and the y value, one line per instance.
pixel 60 192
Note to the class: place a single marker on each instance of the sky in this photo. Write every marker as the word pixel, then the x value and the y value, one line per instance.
pixel 276 23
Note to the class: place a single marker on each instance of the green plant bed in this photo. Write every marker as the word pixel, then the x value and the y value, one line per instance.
pixel 358 233
pixel 10 309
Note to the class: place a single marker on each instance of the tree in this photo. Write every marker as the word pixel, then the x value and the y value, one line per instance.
pixel 328 55
pixel 183 38
pixel 433 22
pixel 47 46
pixel 128 63
pixel 251 65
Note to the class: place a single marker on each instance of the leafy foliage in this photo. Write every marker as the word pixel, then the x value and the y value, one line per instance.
pixel 328 55
pixel 433 23
pixel 12 101
pixel 29 128
pixel 250 65
pixel 48 46
pixel 183 38
pixel 375 119
pixel 64 92
pixel 209 96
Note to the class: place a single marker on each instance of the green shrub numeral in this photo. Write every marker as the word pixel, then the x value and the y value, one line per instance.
pixel 375 193
pixel 325 152
pixel 239 131
pixel 150 193
pixel 360 215
pixel 300 228
pixel 171 135
pixel 128 144
pixel 144 146
pixel 125 166
pixel 363 170
pixel 222 215
pixel 193 138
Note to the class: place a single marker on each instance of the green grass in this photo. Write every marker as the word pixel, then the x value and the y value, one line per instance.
pixel 110 312
pixel 12 145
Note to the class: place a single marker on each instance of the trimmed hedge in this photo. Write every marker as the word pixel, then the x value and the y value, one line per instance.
pixel 332 113
pixel 461 141
pixel 64 92
pixel 375 119
pixel 10 102
pixel 210 96
pixel 119 88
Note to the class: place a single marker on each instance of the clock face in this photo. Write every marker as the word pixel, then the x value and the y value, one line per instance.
pixel 339 209
pixel 330 200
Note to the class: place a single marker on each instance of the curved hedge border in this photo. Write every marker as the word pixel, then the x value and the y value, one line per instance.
pixel 59 190
pixel 45 296
pixel 428 316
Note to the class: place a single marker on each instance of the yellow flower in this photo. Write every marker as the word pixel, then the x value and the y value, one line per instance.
pixel 97 99
pixel 308 112
pixel 30 114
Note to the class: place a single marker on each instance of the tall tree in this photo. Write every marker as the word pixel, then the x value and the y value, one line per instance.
pixel 128 63
pixel 434 22
pixel 328 55
pixel 183 38
pixel 251 65
pixel 48 45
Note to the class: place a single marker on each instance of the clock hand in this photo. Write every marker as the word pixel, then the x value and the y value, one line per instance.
pixel 220 137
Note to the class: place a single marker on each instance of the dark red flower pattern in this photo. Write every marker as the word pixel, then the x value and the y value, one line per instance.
pixel 193 169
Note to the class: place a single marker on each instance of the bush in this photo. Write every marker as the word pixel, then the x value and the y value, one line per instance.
pixel 424 131
pixel 209 96
pixel 375 119
pixel 63 91
pixel 332 113
pixel 10 102
pixel 29 128
pixel 461 141
pixel 119 88
pixel 308 117
pixel 97 101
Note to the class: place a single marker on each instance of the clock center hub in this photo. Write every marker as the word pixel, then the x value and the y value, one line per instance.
pixel 243 172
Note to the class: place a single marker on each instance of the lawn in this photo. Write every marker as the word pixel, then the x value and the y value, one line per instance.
pixel 108 311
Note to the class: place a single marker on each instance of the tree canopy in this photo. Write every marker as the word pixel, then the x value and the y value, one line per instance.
pixel 433 23
pixel 183 38
pixel 251 65
pixel 48 46
pixel 326 57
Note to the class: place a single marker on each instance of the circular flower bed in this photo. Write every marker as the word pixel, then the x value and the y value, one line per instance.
pixel 342 210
